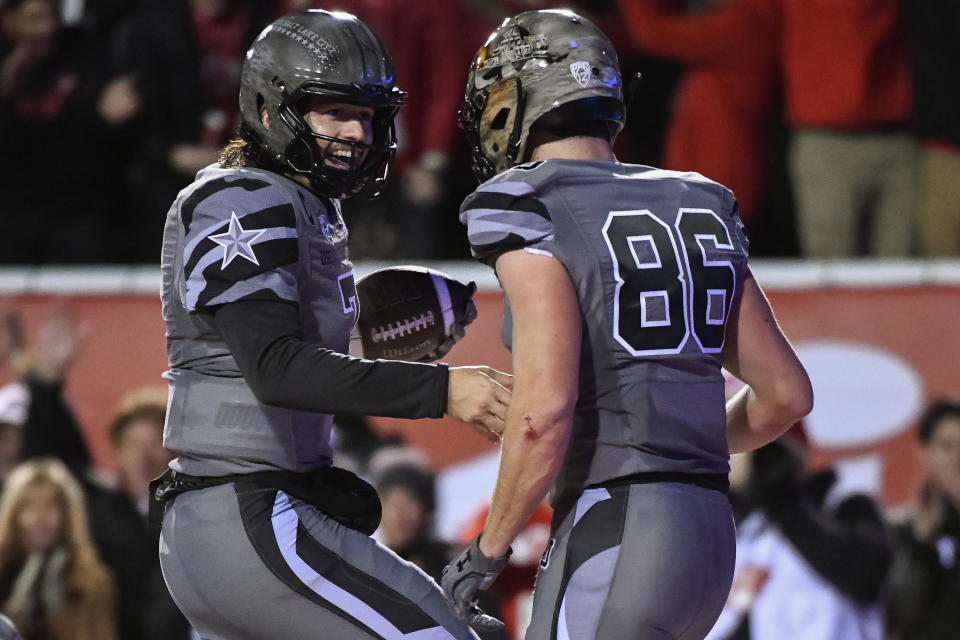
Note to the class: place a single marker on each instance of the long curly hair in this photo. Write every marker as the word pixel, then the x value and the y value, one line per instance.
pixel 84 569
pixel 243 151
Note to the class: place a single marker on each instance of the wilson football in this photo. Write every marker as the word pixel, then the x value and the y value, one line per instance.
pixel 412 313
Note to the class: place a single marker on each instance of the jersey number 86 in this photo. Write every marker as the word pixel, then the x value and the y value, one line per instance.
pixel 667 286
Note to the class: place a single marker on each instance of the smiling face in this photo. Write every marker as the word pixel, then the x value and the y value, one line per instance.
pixel 350 122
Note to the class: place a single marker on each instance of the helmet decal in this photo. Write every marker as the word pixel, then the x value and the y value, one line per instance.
pixel 324 54
pixel 547 68
pixel 515 45
pixel 580 70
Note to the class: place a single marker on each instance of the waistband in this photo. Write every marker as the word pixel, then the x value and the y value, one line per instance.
pixel 338 493
pixel 715 481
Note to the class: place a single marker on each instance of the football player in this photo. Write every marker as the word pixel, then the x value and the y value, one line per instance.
pixel 626 290
pixel 262 538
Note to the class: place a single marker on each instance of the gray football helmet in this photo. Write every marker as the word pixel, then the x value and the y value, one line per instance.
pixel 552 68
pixel 330 54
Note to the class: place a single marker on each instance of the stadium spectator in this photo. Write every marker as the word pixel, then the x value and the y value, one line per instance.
pixel 934 27
pixel 924 587
pixel 40 422
pixel 57 165
pixel 810 562
pixel 14 400
pixel 723 105
pixel 47 425
pixel 136 433
pixel 355 441
pixel 52 585
pixel 178 78
pixel 407 489
pixel 852 161
pixel 119 516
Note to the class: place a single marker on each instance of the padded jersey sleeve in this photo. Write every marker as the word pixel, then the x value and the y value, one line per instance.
pixel 504 215
pixel 240 243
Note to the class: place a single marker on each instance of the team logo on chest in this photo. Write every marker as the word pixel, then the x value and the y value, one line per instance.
pixel 325 229
pixel 581 72
pixel 237 241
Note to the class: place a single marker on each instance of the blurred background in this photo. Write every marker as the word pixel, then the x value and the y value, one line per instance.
pixel 835 122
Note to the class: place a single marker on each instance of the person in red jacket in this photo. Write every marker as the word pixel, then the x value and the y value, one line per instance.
pixel 847 89
pixel 724 100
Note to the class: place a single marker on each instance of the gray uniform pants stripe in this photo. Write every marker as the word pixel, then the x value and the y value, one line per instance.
pixel 247 563
pixel 644 562
pixel 317 564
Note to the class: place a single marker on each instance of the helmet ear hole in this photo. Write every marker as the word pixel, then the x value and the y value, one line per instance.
pixel 500 120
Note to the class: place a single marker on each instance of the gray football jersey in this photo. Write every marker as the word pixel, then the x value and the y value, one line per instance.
pixel 657 259
pixel 247 234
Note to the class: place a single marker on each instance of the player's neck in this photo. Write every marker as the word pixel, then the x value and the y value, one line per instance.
pixel 576 148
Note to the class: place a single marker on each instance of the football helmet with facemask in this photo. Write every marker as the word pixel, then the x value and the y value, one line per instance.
pixel 550 68
pixel 333 55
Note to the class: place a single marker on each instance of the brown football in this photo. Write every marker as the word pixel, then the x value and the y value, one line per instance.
pixel 407 312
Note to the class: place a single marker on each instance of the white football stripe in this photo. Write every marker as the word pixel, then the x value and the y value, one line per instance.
pixel 446 306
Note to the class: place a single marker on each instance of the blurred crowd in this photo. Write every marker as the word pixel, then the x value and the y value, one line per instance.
pixel 815 561
pixel 832 122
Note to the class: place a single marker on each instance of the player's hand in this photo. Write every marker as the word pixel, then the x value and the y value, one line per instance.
pixel 479 396
pixel 469 573
pixel 457 331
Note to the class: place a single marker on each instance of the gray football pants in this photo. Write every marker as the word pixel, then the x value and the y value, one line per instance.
pixel 638 562
pixel 247 563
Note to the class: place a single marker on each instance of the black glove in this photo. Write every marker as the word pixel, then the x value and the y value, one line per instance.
pixel 470 572
pixel 457 331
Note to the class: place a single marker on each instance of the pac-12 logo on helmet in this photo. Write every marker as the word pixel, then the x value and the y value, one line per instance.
pixel 581 72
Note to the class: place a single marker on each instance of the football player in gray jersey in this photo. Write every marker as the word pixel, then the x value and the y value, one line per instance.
pixel 262 538
pixel 626 290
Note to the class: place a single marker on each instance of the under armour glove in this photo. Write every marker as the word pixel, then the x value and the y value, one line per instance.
pixel 469 573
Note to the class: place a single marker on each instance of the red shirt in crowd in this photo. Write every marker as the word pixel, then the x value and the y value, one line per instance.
pixel 723 103
pixel 845 64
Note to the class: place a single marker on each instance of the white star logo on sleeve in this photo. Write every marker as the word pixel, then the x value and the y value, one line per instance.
pixel 237 241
